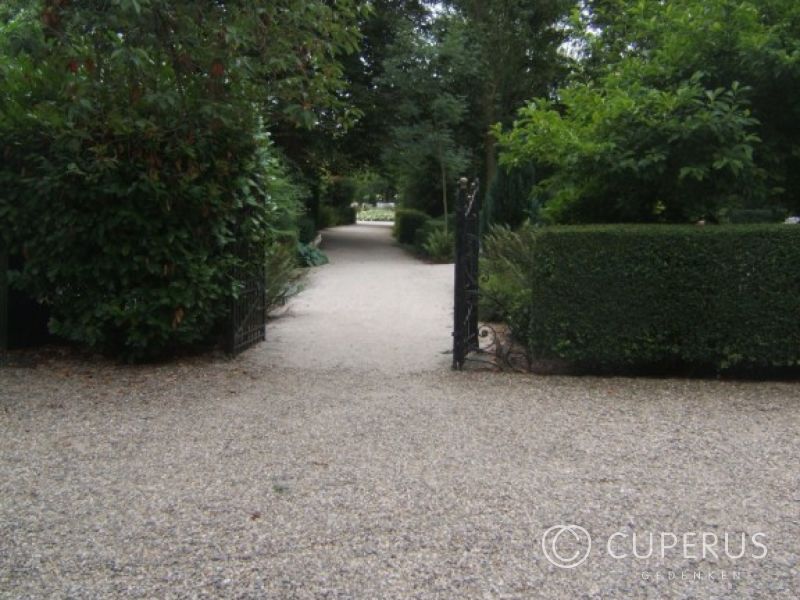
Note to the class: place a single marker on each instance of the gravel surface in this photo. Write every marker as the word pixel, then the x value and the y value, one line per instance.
pixel 342 459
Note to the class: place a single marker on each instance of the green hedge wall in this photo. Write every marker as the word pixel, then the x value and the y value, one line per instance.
pixel 406 223
pixel 719 297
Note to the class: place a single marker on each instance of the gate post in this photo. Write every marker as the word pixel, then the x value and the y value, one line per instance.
pixel 459 298
pixel 3 298
pixel 467 289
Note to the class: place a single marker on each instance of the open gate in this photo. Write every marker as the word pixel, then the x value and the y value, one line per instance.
pixel 248 312
pixel 467 286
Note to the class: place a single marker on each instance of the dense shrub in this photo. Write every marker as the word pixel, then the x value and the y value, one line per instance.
pixel 306 229
pixel 440 246
pixel 136 171
pixel 340 191
pixel 334 216
pixel 617 297
pixel 506 267
pixel 509 200
pixel 635 154
pixel 310 256
pixel 283 274
pixel 347 215
pixel 430 227
pixel 676 111
pixel 406 223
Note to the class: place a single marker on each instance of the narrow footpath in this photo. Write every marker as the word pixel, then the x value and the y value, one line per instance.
pixel 373 308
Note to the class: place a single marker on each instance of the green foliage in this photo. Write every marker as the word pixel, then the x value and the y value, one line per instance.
pixel 675 111
pixel 509 52
pixel 509 200
pixel 340 191
pixel 406 223
pixel 311 256
pixel 618 297
pixel 370 187
pixel 136 170
pixel 334 216
pixel 283 274
pixel 440 246
pixel 306 229
pixel 505 269
pixel 424 155
pixel 430 227
pixel 639 154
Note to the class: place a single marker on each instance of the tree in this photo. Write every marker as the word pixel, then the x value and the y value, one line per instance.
pixel 756 44
pixel 618 153
pixel 514 45
pixel 676 111
pixel 426 115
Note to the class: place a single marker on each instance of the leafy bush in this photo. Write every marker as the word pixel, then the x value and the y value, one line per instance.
pixel 283 274
pixel 334 216
pixel 339 192
pixel 136 172
pixel 440 246
pixel 347 215
pixel 629 153
pixel 311 256
pixel 306 229
pixel 430 227
pixel 509 200
pixel 618 297
pixel 406 223
pixel 660 45
pixel 505 269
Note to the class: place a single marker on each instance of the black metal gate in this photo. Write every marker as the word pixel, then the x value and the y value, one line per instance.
pixel 3 298
pixel 467 286
pixel 248 312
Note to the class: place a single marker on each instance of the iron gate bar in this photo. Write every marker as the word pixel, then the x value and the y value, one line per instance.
pixel 3 298
pixel 248 311
pixel 467 285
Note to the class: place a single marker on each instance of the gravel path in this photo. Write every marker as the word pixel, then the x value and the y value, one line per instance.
pixel 373 308
pixel 342 459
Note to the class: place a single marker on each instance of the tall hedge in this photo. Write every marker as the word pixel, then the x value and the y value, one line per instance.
pixel 135 165
pixel 719 297
pixel 406 223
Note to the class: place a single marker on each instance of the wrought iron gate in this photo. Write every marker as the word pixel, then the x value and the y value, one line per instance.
pixel 248 312
pixel 3 298
pixel 467 289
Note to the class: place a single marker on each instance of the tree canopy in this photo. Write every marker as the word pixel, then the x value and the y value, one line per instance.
pixel 674 112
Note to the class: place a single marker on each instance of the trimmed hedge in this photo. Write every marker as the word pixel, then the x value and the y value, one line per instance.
pixel 406 223
pixel 641 297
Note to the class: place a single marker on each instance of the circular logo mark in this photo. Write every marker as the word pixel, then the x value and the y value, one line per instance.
pixel 570 552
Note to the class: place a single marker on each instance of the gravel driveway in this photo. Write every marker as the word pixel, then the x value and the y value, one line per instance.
pixel 342 459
